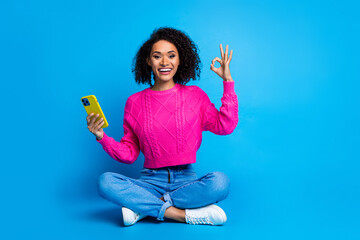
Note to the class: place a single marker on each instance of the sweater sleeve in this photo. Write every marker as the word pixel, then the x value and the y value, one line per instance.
pixel 221 122
pixel 128 149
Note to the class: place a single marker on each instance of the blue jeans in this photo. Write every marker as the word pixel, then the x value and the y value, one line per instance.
pixel 179 186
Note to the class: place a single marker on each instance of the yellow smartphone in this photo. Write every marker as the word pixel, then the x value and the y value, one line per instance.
pixel 92 105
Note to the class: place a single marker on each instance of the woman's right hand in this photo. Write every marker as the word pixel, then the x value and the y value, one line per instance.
pixel 95 127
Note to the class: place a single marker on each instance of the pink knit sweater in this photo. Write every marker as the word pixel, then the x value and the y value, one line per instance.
pixel 167 125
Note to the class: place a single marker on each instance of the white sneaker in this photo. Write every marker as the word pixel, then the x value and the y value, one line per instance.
pixel 212 215
pixel 130 217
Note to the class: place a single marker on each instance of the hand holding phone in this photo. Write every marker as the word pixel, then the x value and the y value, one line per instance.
pixel 94 111
pixel 95 127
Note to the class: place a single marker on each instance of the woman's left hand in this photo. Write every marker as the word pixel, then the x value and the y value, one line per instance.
pixel 223 71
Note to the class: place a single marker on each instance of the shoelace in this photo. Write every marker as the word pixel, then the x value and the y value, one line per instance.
pixel 194 219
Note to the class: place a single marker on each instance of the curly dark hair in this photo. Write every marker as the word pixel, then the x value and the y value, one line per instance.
pixel 188 54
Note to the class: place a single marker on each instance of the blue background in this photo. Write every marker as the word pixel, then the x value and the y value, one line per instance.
pixel 293 159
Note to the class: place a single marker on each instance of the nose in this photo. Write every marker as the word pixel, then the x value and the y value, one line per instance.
pixel 163 62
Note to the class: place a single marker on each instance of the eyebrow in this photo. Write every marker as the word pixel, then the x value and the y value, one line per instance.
pixel 168 51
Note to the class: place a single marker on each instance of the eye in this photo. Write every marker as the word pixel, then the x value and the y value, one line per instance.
pixel 156 57
pixel 172 56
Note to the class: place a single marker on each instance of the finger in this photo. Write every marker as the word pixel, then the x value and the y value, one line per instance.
pixel 94 119
pixel 90 127
pixel 89 116
pixel 221 51
pixel 216 59
pixel 231 52
pixel 212 66
pixel 226 53
pixel 100 125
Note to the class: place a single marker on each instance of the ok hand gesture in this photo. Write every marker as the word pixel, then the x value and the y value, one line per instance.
pixel 223 71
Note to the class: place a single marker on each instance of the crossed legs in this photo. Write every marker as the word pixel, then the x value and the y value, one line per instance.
pixel 144 198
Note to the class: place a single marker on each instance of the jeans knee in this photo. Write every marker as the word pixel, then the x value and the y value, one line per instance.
pixel 104 183
pixel 221 185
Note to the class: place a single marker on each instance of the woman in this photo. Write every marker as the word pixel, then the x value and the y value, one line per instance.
pixel 165 122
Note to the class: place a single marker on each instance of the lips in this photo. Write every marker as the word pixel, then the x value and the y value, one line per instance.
pixel 165 72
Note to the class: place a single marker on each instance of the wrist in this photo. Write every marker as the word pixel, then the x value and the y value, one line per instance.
pixel 228 80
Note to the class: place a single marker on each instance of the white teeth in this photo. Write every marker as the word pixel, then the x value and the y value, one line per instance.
pixel 165 70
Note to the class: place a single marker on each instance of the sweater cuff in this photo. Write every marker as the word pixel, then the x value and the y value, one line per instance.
pixel 229 87
pixel 104 140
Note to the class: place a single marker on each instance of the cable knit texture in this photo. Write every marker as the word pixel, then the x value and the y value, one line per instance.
pixel 166 126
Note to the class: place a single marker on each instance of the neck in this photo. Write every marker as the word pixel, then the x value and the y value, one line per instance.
pixel 162 86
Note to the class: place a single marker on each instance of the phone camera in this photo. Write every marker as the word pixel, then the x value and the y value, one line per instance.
pixel 85 102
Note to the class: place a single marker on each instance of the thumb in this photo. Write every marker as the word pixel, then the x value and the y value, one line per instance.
pixel 213 68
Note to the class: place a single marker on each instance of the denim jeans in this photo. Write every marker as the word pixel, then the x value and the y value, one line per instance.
pixel 179 186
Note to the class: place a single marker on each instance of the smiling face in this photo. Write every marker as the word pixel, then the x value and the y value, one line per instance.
pixel 164 55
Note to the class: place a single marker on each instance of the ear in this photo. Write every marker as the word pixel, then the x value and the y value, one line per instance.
pixel 148 61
